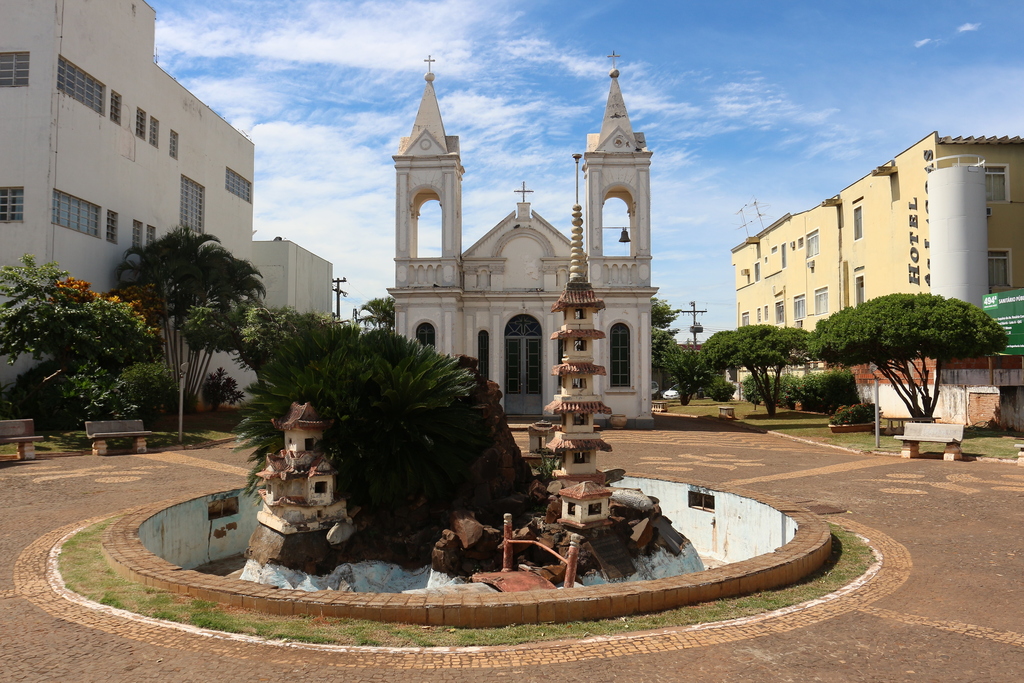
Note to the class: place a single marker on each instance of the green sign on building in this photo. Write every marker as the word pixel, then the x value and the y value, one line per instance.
pixel 1008 310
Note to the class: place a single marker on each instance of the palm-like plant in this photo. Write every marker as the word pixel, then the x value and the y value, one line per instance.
pixel 379 314
pixel 189 269
pixel 403 426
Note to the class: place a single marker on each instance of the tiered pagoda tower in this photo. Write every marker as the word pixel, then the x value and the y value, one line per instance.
pixel 576 403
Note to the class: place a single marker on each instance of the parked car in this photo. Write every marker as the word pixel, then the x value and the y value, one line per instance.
pixel 654 389
pixel 672 393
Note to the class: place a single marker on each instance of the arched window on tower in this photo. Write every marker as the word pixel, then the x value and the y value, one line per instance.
pixel 425 334
pixel 619 339
pixel 614 217
pixel 483 351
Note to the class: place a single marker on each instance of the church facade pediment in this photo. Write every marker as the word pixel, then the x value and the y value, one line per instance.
pixel 422 145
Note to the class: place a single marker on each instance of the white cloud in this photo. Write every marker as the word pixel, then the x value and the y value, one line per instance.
pixel 922 43
pixel 968 27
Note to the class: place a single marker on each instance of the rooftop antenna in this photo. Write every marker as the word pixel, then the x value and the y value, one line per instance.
pixel 757 207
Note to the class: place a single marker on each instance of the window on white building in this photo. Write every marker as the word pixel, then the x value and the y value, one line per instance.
pixel 799 307
pixel 154 132
pixel 821 301
pixel 812 244
pixel 744 319
pixel 111 226
pixel 758 314
pixel 13 69
pixel 115 108
pixel 998 269
pixel 859 295
pixel 192 198
pixel 780 312
pixel 136 233
pixel 150 234
pixel 81 86
pixel 75 213
pixel 995 184
pixel 172 145
pixel 237 185
pixel 140 123
pixel 757 272
pixel 12 204
pixel 858 222
pixel 783 255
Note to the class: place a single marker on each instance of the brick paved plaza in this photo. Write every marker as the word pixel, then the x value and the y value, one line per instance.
pixel 947 605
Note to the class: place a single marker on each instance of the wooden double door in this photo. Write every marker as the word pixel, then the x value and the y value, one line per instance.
pixel 523 376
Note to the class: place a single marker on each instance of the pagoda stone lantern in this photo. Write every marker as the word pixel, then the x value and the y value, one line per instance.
pixel 577 403
pixel 299 494
pixel 585 505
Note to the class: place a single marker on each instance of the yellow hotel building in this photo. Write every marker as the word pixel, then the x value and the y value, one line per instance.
pixel 945 216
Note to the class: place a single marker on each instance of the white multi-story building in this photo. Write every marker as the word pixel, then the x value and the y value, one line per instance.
pixel 493 300
pixel 100 149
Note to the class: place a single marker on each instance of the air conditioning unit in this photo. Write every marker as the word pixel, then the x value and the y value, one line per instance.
pixel 799 323
pixel 810 264
pixel 792 246
pixel 745 271
pixel 988 211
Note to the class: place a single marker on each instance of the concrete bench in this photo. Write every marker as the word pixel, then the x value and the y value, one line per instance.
pixel 100 431
pixel 728 412
pixel 21 432
pixel 1020 453
pixel 916 432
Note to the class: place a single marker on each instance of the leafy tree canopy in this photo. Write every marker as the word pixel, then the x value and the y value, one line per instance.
pixel 663 315
pixel 764 350
pixel 663 345
pixel 899 332
pixel 690 371
pixel 250 331
pixel 52 314
pixel 403 426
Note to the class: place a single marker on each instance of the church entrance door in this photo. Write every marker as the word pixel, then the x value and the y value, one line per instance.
pixel 523 366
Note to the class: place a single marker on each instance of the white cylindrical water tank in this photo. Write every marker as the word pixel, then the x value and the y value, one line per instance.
pixel 959 228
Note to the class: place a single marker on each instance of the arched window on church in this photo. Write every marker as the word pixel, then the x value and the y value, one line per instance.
pixel 483 352
pixel 619 342
pixel 615 217
pixel 428 229
pixel 425 334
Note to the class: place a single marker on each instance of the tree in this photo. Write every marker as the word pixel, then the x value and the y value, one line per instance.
pixel 900 332
pixel 689 370
pixel 380 314
pixel 663 335
pixel 52 314
pixel 250 331
pixel 403 425
pixel 764 350
pixel 188 269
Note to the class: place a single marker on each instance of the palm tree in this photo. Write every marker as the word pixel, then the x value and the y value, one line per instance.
pixel 380 314
pixel 189 269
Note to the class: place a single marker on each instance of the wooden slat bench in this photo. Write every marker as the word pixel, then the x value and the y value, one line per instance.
pixel 21 432
pixel 916 432
pixel 100 431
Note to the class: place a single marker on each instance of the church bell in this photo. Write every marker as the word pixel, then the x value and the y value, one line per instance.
pixel 624 237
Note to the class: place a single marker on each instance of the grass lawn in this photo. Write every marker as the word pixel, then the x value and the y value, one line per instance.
pixel 86 572
pixel 982 443
pixel 198 428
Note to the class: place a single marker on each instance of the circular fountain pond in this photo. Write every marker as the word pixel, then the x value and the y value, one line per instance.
pixel 758 542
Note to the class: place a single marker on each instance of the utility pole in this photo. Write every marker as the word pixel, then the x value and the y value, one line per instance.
pixel 338 293
pixel 695 329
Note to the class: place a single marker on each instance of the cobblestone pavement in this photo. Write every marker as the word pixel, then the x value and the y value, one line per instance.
pixel 948 603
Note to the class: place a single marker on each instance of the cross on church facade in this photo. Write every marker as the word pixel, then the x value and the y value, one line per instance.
pixel 613 57
pixel 523 192
pixel 430 63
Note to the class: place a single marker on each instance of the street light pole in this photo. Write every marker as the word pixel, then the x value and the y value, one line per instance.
pixel 182 371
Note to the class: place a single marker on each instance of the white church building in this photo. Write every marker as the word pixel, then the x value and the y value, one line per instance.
pixel 493 300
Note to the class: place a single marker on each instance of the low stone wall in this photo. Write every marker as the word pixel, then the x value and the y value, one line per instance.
pixel 808 549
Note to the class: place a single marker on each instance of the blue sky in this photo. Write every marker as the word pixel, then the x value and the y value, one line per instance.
pixel 785 102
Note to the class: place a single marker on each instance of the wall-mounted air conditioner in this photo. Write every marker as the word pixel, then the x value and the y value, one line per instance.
pixel 810 264
pixel 799 323
pixel 988 211
pixel 745 271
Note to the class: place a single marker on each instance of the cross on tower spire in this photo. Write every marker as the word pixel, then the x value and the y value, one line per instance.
pixel 613 57
pixel 523 191
pixel 430 63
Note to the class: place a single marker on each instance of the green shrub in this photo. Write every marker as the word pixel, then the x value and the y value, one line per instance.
pixel 145 390
pixel 823 392
pixel 750 392
pixel 67 400
pixel 220 388
pixel 719 389
pixel 789 393
pixel 858 413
